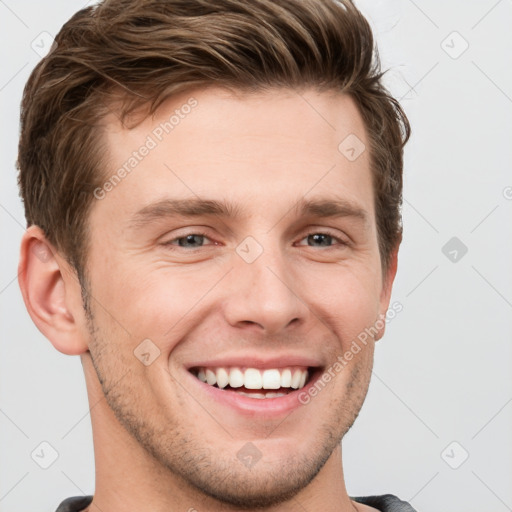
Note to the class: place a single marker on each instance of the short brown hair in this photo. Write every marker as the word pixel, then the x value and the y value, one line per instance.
pixel 143 51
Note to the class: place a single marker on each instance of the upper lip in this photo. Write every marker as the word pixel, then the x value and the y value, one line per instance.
pixel 255 361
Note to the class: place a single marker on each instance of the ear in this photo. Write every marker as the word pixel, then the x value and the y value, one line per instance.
pixel 52 293
pixel 387 286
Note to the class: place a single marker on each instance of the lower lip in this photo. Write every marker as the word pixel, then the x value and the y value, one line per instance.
pixel 268 407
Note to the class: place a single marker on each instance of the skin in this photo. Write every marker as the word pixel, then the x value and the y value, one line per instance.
pixel 160 442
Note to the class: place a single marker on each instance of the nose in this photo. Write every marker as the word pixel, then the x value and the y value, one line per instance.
pixel 263 294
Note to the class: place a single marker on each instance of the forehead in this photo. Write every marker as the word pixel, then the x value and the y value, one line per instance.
pixel 249 148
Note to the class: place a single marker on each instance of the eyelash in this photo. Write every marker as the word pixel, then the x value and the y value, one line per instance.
pixel 205 235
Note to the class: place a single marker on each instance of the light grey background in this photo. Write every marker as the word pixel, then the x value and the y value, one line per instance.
pixel 443 370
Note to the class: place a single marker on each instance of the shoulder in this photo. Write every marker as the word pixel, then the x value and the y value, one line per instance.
pixel 385 503
pixel 74 504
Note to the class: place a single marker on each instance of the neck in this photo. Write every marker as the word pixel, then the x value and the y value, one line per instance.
pixel 127 474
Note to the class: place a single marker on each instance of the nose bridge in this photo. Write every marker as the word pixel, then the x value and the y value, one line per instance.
pixel 262 290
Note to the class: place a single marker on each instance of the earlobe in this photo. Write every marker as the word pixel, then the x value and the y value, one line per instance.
pixel 50 294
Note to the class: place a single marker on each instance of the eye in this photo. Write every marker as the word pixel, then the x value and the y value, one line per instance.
pixel 315 239
pixel 322 240
pixel 192 241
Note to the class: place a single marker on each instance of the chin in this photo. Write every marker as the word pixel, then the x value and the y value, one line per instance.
pixel 246 488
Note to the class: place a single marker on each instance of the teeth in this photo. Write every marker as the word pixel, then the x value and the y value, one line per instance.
pixel 295 379
pixel 272 379
pixel 303 379
pixel 210 377
pixel 286 378
pixel 256 395
pixel 222 377
pixel 253 378
pixel 236 378
pixel 270 394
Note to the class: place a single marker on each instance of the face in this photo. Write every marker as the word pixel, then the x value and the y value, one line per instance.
pixel 231 265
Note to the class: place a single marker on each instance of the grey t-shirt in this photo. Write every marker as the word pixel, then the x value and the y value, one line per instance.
pixel 384 503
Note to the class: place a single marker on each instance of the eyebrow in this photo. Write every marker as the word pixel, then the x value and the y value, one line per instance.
pixel 197 207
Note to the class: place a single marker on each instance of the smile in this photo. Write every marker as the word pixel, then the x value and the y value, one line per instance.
pixel 253 382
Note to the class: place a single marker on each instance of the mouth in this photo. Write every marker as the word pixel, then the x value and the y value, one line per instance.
pixel 256 383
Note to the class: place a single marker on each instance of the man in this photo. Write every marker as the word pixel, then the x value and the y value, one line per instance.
pixel 213 197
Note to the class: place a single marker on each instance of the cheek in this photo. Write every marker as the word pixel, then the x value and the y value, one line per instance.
pixel 158 301
pixel 345 298
pixel 159 304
